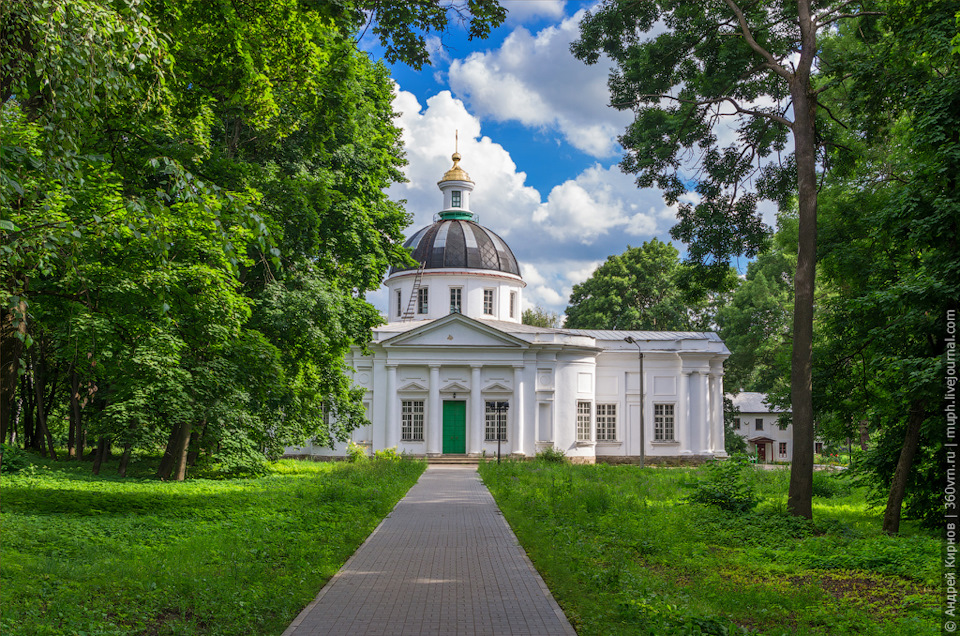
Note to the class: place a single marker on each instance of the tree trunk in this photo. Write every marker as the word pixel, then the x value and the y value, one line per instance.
pixel 196 438
pixel 124 460
pixel 800 497
pixel 103 454
pixel 73 440
pixel 891 516
pixel 180 452
pixel 29 428
pixel 13 327
pixel 166 462
pixel 864 435
pixel 15 421
pixel 42 429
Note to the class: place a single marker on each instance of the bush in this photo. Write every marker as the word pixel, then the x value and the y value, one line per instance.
pixel 724 485
pixel 827 484
pixel 14 459
pixel 388 454
pixel 553 455
pixel 356 453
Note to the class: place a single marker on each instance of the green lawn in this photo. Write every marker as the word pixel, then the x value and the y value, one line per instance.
pixel 100 555
pixel 623 554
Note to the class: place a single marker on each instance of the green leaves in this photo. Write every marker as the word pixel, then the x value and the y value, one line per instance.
pixel 644 288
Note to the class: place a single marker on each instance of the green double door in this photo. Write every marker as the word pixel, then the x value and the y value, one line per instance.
pixel 454 427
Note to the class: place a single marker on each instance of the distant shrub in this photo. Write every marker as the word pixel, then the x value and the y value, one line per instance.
pixel 356 453
pixel 724 484
pixel 553 454
pixel 14 459
pixel 388 454
pixel 828 485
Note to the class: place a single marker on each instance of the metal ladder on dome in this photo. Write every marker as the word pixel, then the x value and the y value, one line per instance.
pixel 408 314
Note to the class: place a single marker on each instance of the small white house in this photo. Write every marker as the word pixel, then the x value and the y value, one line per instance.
pixel 454 370
pixel 758 424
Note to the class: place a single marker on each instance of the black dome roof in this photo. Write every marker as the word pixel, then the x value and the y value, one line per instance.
pixel 460 243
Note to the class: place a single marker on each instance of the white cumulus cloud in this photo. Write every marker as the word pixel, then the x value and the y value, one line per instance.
pixel 535 80
pixel 601 201
pixel 520 11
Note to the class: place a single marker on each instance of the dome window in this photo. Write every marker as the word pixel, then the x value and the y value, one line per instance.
pixel 422 301
pixel 456 199
pixel 456 300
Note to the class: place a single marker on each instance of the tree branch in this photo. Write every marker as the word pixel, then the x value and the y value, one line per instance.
pixel 843 16
pixel 771 62
pixel 706 102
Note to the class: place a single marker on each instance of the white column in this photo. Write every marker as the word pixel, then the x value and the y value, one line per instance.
pixel 683 414
pixel 516 441
pixel 703 419
pixel 693 398
pixel 530 407
pixel 434 443
pixel 476 423
pixel 708 433
pixel 378 417
pixel 392 437
pixel 718 445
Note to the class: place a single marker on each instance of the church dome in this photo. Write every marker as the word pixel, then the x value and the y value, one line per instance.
pixel 460 243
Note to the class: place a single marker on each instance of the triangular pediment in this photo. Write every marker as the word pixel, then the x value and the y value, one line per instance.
pixel 413 385
pixel 455 330
pixel 497 387
pixel 454 387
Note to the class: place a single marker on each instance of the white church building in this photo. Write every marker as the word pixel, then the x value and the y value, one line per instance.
pixel 454 368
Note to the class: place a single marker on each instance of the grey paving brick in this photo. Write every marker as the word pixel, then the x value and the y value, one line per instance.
pixel 444 562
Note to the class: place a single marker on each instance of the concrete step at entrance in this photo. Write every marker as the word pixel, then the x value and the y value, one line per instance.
pixel 454 459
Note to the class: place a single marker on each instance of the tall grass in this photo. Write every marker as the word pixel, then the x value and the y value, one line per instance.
pixel 624 552
pixel 99 555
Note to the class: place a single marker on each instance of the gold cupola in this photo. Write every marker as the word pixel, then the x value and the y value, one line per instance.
pixel 455 173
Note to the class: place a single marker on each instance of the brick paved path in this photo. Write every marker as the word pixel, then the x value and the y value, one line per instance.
pixel 443 562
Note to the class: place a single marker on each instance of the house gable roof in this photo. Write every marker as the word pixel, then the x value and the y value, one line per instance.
pixel 753 402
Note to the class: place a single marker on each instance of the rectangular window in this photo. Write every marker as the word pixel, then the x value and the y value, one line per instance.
pixel 488 302
pixel 513 304
pixel 423 305
pixel 759 423
pixel 783 449
pixel 456 302
pixel 411 419
pixel 496 422
pixel 583 421
pixel 663 423
pixel 399 303
pixel 455 199
pixel 606 422
pixel 736 423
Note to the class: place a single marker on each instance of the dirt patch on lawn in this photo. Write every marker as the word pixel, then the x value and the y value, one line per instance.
pixel 883 596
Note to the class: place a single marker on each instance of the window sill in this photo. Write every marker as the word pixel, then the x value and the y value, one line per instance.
pixel 586 443
pixel 610 443
pixel 665 442
pixel 411 441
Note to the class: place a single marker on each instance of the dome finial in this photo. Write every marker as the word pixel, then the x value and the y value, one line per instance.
pixel 456 173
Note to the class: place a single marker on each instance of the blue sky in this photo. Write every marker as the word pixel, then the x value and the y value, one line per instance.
pixel 538 139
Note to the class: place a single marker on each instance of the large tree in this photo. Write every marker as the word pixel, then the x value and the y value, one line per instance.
pixel 890 253
pixel 178 179
pixel 645 287
pixel 682 66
